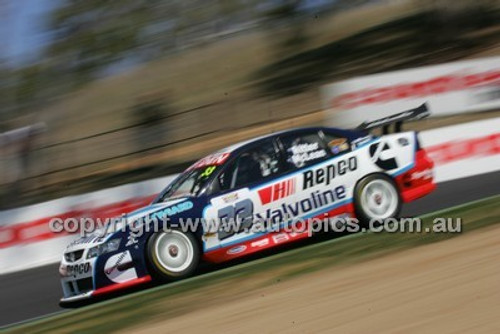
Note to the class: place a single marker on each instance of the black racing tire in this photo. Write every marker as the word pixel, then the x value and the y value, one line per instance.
pixel 172 255
pixel 376 198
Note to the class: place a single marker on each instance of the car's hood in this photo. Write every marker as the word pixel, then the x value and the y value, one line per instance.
pixel 100 235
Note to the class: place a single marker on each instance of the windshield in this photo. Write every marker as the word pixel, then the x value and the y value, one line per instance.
pixel 189 183
pixel 195 178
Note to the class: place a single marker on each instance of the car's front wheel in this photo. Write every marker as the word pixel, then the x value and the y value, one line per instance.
pixel 173 254
pixel 376 198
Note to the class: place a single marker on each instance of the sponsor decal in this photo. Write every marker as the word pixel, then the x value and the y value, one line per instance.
pixel 237 250
pixel 338 145
pixel 260 243
pixel 382 155
pixel 277 191
pixel 75 270
pixel 116 268
pixel 131 240
pixel 316 200
pixel 118 261
pixel 281 237
pixel 289 236
pixel 361 141
pixel 243 211
pixel 326 174
pixel 303 153
pixel 403 141
pixel 424 174
pixel 172 210
pixel 230 198
pixel 215 159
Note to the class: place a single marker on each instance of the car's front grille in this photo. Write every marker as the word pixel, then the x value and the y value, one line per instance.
pixel 79 286
pixel 85 284
pixel 73 256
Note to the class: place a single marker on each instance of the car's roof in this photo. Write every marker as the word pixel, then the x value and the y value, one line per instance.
pixel 221 156
pixel 239 145
pixel 350 134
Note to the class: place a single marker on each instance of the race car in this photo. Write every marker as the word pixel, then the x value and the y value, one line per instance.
pixel 301 175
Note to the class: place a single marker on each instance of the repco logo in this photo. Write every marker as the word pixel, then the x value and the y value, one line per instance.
pixel 77 269
pixel 382 156
pixel 326 174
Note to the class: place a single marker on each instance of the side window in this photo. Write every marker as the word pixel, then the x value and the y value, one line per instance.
pixel 303 149
pixel 251 166
pixel 336 144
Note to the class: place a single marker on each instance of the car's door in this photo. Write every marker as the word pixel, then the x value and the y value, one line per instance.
pixel 322 165
pixel 241 195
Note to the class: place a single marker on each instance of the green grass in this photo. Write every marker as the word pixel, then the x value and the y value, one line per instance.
pixel 167 301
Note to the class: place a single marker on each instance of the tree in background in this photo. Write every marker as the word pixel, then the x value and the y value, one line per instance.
pixel 447 20
pixel 92 34
pixel 285 22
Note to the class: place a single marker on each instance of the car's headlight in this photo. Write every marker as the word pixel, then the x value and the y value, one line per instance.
pixel 110 246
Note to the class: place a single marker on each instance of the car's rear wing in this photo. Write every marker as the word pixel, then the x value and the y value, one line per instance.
pixel 397 119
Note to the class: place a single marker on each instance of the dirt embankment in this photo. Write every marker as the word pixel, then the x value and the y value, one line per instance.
pixel 446 287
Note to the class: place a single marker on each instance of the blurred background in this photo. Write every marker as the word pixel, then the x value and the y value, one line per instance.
pixel 95 93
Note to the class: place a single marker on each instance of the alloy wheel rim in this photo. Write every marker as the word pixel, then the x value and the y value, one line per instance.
pixel 379 199
pixel 174 251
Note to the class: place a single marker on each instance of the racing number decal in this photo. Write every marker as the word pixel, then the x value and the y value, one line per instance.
pixel 208 171
pixel 235 218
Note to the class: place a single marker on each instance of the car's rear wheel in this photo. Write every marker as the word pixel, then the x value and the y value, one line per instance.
pixel 376 198
pixel 173 254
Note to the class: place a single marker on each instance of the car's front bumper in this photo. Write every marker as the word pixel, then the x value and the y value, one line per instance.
pixel 77 298
pixel 106 290
pixel 77 277
pixel 84 278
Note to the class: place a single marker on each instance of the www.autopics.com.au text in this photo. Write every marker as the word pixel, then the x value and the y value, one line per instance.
pixel 229 227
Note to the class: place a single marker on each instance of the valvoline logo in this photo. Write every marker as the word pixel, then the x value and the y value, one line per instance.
pixel 277 191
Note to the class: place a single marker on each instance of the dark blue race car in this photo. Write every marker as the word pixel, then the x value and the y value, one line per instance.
pixel 250 197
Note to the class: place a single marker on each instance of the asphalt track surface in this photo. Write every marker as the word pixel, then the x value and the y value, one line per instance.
pixel 35 292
